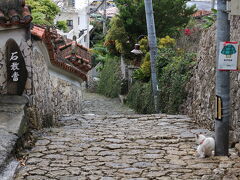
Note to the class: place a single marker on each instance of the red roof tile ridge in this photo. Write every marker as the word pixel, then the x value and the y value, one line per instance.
pixel 201 13
pixel 47 35
pixel 14 13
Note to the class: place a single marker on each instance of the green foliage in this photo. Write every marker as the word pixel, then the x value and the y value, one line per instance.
pixel 210 20
pixel 97 35
pixel 144 47
pixel 131 22
pixel 99 54
pixel 167 42
pixel 144 72
pixel 43 11
pixel 116 38
pixel 140 98
pixel 62 25
pixel 110 82
pixel 190 42
pixel 174 71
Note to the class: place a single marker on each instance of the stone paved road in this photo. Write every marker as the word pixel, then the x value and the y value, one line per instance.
pixel 117 146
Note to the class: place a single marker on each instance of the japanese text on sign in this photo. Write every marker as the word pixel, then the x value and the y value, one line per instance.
pixel 14 66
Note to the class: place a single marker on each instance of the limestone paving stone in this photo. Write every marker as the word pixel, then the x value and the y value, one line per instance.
pixel 113 143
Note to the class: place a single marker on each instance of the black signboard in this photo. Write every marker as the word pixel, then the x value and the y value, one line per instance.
pixel 16 69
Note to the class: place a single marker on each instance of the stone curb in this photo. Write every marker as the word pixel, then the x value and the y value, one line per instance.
pixel 6 99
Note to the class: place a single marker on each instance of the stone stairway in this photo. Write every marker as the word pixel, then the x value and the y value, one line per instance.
pixel 12 124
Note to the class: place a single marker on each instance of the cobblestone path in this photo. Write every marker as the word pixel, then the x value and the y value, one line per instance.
pixel 123 146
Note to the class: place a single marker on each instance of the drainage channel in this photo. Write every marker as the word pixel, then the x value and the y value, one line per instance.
pixel 9 171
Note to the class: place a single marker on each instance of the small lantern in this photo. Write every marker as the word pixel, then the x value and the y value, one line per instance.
pixel 137 50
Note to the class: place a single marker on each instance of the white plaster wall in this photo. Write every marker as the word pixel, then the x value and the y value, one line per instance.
pixel 82 14
pixel 16 34
pixel 70 15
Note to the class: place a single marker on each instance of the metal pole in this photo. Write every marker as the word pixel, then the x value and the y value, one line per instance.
pixel 153 50
pixel 104 17
pixel 213 4
pixel 222 84
pixel 88 19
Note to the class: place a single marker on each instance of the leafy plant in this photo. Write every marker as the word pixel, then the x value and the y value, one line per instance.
pixel 144 72
pixel 174 71
pixel 99 54
pixel 62 25
pixel 144 47
pixel 167 41
pixel 116 38
pixel 210 20
pixel 110 82
pixel 43 11
pixel 131 22
pixel 96 35
pixel 140 98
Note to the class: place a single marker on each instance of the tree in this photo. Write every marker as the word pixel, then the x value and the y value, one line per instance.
pixel 116 39
pixel 43 11
pixel 170 15
pixel 62 25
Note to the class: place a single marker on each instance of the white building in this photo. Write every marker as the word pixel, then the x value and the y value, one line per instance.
pixel 77 18
pixel 203 4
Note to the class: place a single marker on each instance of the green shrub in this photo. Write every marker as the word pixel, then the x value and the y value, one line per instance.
pixel 99 54
pixel 140 99
pixel 174 71
pixel 144 72
pixel 62 25
pixel 110 81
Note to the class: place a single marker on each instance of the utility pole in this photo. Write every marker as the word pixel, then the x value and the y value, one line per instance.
pixel 105 17
pixel 153 50
pixel 88 23
pixel 222 84
pixel 213 3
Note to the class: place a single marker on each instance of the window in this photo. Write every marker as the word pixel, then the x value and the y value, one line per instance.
pixel 70 23
pixel 71 3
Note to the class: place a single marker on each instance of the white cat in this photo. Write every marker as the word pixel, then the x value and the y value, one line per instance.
pixel 205 146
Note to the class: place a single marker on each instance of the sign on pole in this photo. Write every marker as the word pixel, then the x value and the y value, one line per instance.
pixel 228 56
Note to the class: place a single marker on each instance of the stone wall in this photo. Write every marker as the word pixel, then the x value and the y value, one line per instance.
pixel 201 88
pixel 51 94
pixel 3 73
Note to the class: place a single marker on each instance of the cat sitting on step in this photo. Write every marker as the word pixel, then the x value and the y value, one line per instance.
pixel 205 147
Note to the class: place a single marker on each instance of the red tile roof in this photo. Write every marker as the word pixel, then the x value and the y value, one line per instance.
pixel 201 13
pixel 38 31
pixel 14 12
pixel 64 53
